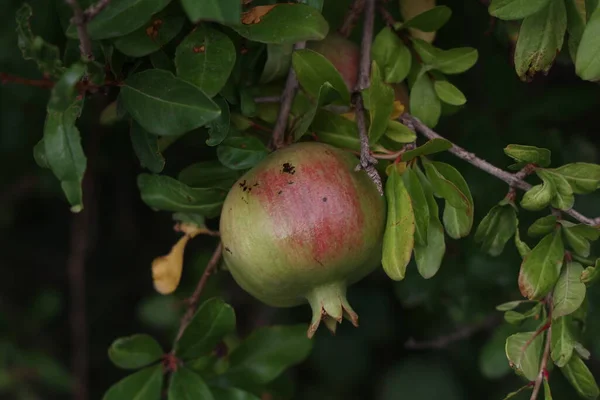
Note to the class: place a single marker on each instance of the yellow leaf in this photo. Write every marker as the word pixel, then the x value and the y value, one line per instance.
pixel 190 230
pixel 254 15
pixel 166 270
pixel 398 110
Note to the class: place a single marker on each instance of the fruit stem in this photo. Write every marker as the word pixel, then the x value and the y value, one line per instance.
pixel 329 303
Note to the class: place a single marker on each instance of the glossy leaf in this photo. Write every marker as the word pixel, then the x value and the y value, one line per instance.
pixel 218 129
pixel 515 9
pixel 279 59
pixel 525 362
pixel 569 291
pixel 542 226
pixel 391 55
pixel 145 146
pixel 205 58
pixel 448 93
pixel 151 37
pixel 241 152
pixel 517 392
pixel 511 305
pixel 266 353
pixel 455 61
pixel 313 70
pixel 424 102
pixel 458 221
pixel 496 229
pixel 578 243
pixel 207 174
pixel 336 130
pixel 521 246
pixel 164 193
pixel 539 196
pixel 186 384
pixel 432 146
pixel 223 11
pixel 541 268
pixel 562 341
pixel 212 321
pixel 430 20
pixel 379 101
pixel 398 239
pixel 145 384
pixel 165 105
pixel 540 38
pixel 429 257
pixel 283 24
pixel 580 377
pixel 419 205
pixel 583 177
pixel 136 351
pixel 547 392
pixel 528 154
pixel 327 95
pixel 446 187
pixel 563 197
pixel 587 60
pixel 591 274
pixel 399 133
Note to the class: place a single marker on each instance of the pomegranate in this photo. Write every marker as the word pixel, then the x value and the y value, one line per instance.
pixel 300 227
pixel 342 53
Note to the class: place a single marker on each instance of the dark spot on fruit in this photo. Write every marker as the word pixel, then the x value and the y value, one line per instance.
pixel 227 249
pixel 243 184
pixel 290 182
pixel 324 199
pixel 289 169
pixel 317 260
pixel 245 201
pixel 256 184
pixel 281 191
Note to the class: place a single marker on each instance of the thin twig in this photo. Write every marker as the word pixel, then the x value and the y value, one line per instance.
pixel 195 297
pixel 356 8
pixel 287 97
pixel 42 83
pixel 95 9
pixel 461 334
pixel 80 21
pixel 367 161
pixel 512 179
pixel 544 363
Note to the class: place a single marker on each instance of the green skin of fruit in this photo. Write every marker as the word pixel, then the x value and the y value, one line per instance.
pixel 300 227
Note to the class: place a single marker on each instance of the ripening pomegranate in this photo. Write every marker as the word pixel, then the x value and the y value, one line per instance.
pixel 300 227
pixel 342 53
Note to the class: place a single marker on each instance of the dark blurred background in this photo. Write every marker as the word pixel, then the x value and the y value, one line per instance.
pixel 120 235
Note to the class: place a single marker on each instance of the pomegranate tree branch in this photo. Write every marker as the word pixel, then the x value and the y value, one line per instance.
pixel 356 8
pixel 287 97
pixel 513 180
pixel 80 21
pixel 195 297
pixel 95 9
pixel 367 161
pixel 42 83
pixel 543 374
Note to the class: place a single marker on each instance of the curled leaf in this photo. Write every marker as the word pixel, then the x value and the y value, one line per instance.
pixel 166 270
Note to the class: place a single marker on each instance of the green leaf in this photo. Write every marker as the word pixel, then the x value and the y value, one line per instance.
pixel 145 146
pixel 458 221
pixel 160 60
pixel 151 37
pixel 223 11
pixel 429 257
pixel 424 102
pixel 587 60
pixel 432 146
pixel 582 351
pixel 285 24
pixel 521 246
pixel 266 353
pixel 547 392
pixel 446 188
pixel 496 229
pixel 313 70
pixel 542 226
pixel 541 267
pixel 64 93
pixel 583 177
pixel 136 351
pixel 430 20
pixel 580 377
pixel 513 317
pixel 241 152
pixel 425 50
pixel 448 93
pixel 205 58
pixel 39 154
pixel 455 61
pixel 218 129
pixel 563 198
pixel 562 341
pixel 569 291
pixel 379 101
pixel 145 384
pixel 35 48
pixel 392 56
pixel 419 205
pixel 232 394
pixel 165 193
pixel 528 154
pixel 511 305
pixel 539 196
pixel 591 274
pixel 208 174
pixel 335 130
pixel 515 9
pixel 120 18
pixel 540 38
pixel 526 362
pixel 187 385
pixel 398 239
pixel 213 320
pixel 327 95
pixel 589 232
pixel 165 105
pixel 518 391
pixel 279 59
pixel 399 133
pixel 576 22
pixel 578 243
